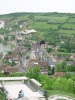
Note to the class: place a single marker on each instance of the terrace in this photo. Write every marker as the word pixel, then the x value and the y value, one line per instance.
pixel 12 86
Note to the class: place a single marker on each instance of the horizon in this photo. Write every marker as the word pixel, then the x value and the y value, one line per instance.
pixel 36 13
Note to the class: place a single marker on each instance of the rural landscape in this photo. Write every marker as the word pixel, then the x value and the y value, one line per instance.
pixel 39 46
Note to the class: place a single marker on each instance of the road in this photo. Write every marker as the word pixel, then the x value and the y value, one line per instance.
pixel 23 63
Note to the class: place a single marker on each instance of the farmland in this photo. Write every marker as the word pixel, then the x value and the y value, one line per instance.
pixel 52 27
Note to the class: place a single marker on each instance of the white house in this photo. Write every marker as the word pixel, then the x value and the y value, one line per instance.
pixel 2 24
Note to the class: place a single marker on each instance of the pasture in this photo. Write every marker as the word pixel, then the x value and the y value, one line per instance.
pixel 44 25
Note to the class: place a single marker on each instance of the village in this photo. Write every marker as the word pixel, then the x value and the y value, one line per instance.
pixel 19 58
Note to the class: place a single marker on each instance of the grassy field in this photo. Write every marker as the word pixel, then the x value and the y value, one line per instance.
pixel 52 18
pixel 71 20
pixel 44 25
pixel 68 26
pixel 68 32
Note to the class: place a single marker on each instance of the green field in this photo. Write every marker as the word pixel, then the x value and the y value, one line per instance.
pixel 68 32
pixel 62 53
pixel 68 26
pixel 49 26
pixel 52 18
pixel 71 20
pixel 44 25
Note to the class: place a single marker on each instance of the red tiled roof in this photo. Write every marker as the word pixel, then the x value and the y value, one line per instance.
pixel 43 64
pixel 59 74
pixel 11 69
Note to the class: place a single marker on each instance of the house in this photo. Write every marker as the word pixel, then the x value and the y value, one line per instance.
pixel 43 64
pixel 57 74
pixel 16 54
pixel 41 54
pixel 69 63
pixel 31 63
pixel 34 47
pixel 20 49
pixel 72 57
pixel 11 69
pixel 34 55
pixel 44 71
pixel 52 63
pixel 2 36
pixel 2 24
pixel 19 38
pixel 11 57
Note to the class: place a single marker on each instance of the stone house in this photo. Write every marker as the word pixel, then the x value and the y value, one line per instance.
pixel 72 57
pixel 34 55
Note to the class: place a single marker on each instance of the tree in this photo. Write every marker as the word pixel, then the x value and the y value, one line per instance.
pixel 4 42
pixel 47 83
pixel 48 50
pixel 70 85
pixel 33 72
pixel 0 40
pixel 12 63
pixel 1 55
pixel 71 68
pixel 10 52
pixel 61 67
pixel 53 70
pixel 2 95
pixel 6 38
pixel 49 70
pixel 13 37
pixel 31 17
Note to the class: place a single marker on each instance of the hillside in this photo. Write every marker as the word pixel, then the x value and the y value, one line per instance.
pixel 57 29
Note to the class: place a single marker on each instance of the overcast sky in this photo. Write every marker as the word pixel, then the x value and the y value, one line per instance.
pixel 10 6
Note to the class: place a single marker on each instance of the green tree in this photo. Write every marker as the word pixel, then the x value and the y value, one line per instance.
pixel 6 38
pixel 31 17
pixel 61 67
pixel 47 83
pixel 2 95
pixel 4 42
pixel 0 40
pixel 53 70
pixel 33 72
pixel 1 55
pixel 49 70
pixel 48 50
pixel 71 68
pixel 12 63
pixel 70 85
pixel 10 52
pixel 13 37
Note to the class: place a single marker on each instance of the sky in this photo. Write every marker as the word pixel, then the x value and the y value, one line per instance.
pixel 12 6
